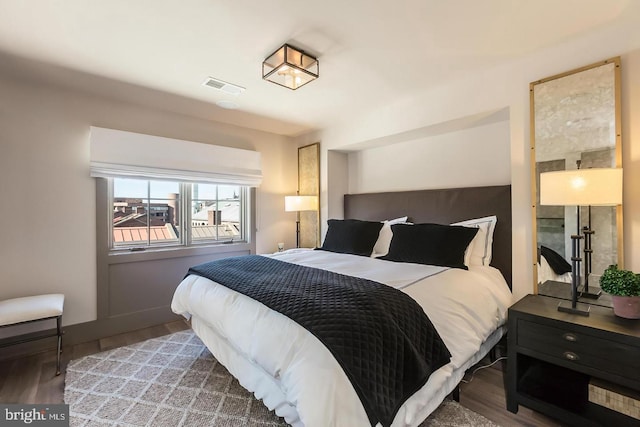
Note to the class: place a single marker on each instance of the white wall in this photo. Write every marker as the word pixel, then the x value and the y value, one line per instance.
pixel 482 156
pixel 631 158
pixel 503 87
pixel 48 238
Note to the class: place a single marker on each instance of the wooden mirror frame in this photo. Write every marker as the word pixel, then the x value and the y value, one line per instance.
pixel 618 155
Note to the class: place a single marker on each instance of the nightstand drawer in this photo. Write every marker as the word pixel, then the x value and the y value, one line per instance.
pixel 580 349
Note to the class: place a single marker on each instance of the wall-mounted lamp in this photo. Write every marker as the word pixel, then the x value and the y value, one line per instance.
pixel 290 67
pixel 298 204
pixel 580 187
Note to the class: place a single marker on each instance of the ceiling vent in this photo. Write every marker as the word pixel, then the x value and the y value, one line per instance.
pixel 229 88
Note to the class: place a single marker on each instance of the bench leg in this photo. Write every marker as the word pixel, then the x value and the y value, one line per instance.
pixel 59 326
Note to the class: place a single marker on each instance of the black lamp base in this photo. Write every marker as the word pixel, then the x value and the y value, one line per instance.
pixel 579 309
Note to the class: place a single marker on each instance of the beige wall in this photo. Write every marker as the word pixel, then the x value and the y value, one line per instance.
pixel 48 239
pixel 481 156
pixel 631 158
pixel 504 87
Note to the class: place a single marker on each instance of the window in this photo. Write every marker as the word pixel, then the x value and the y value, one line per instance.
pixel 215 212
pixel 154 213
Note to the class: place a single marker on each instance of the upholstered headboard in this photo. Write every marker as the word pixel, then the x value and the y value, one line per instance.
pixel 443 207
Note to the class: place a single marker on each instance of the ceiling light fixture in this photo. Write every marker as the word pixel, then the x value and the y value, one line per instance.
pixel 290 67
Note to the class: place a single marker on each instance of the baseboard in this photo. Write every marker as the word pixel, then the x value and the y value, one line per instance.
pixel 90 331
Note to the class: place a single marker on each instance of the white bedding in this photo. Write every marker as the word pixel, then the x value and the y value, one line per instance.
pixel 294 374
pixel 545 272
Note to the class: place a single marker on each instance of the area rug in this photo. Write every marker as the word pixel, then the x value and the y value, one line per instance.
pixel 174 381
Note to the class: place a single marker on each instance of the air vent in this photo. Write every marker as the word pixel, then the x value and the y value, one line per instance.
pixel 229 88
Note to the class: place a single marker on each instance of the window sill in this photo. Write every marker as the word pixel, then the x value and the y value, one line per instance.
pixel 125 255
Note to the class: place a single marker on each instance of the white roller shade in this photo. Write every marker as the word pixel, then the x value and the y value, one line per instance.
pixel 120 153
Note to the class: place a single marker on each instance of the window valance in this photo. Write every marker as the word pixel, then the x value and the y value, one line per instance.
pixel 120 153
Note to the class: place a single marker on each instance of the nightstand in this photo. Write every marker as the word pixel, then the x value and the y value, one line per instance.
pixel 562 290
pixel 555 356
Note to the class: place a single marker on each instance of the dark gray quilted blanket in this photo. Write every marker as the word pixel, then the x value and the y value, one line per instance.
pixel 380 336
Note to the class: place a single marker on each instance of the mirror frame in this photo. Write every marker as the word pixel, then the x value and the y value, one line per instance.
pixel 618 155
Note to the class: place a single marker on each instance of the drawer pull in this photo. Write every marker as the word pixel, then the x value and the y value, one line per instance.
pixel 570 337
pixel 570 356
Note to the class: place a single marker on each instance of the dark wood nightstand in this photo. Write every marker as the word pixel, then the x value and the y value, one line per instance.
pixel 562 290
pixel 554 356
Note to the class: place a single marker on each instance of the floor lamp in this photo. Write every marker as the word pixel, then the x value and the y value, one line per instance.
pixel 298 204
pixel 580 187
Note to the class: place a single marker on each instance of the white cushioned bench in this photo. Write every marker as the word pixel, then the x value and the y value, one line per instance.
pixel 17 311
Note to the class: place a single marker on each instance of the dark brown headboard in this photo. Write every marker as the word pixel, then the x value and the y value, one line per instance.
pixel 443 207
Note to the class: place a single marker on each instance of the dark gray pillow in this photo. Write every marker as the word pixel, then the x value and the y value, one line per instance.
pixel 432 244
pixel 351 236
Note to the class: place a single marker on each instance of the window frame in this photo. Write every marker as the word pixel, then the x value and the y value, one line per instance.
pixel 185 240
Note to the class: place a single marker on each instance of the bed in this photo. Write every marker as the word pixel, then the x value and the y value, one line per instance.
pixel 552 266
pixel 292 371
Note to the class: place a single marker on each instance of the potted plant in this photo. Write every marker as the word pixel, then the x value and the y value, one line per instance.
pixel 624 287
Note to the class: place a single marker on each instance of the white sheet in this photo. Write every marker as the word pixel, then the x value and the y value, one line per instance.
pixel 292 371
pixel 545 272
pixel 395 274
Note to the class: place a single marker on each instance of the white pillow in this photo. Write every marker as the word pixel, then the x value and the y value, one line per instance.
pixel 469 251
pixel 479 251
pixel 381 247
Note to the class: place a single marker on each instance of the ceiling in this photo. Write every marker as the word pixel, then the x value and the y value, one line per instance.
pixel 159 52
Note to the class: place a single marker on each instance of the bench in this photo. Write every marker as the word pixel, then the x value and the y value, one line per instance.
pixel 18 311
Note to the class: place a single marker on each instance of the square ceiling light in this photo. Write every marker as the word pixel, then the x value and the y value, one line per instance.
pixel 290 67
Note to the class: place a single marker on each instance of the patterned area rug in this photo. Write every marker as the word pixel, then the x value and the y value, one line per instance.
pixel 175 381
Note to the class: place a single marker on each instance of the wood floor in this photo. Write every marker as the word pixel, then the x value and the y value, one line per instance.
pixel 485 394
pixel 32 379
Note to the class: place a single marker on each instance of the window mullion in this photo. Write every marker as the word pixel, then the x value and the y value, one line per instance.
pixel 185 211
pixel 148 213
pixel 215 215
pixel 110 208
pixel 244 217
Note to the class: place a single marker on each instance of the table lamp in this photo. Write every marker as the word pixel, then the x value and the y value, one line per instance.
pixel 580 187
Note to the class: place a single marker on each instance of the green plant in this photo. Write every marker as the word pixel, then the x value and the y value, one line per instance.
pixel 620 282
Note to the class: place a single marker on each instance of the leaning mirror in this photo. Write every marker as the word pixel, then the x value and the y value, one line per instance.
pixel 575 125
pixel 309 185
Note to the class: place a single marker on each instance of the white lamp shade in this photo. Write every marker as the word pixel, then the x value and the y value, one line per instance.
pixel 300 203
pixel 582 187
